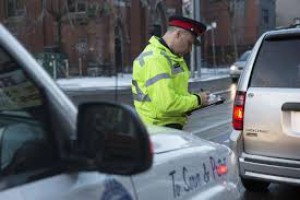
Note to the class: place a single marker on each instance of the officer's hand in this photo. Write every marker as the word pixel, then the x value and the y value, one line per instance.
pixel 204 98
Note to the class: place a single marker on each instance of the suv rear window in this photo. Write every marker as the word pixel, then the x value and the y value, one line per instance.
pixel 278 63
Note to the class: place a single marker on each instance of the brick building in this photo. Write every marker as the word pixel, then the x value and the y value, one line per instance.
pixel 250 18
pixel 93 36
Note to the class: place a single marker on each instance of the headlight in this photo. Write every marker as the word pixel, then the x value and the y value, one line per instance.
pixel 233 67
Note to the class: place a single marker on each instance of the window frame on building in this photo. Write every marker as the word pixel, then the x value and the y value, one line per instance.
pixel 123 3
pixel 14 8
pixel 77 4
pixel 265 16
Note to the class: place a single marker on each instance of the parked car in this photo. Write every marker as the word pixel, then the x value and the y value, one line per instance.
pixel 237 67
pixel 51 150
pixel 266 113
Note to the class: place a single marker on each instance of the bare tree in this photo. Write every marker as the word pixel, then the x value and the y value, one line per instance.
pixel 57 9
pixel 231 7
pixel 158 12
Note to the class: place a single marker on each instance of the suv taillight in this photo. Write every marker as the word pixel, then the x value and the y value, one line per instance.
pixel 238 110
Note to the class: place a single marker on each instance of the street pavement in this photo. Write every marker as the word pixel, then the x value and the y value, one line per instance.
pixel 118 89
pixel 123 81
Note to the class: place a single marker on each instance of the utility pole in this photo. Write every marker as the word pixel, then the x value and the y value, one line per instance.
pixel 213 27
pixel 193 53
pixel 196 51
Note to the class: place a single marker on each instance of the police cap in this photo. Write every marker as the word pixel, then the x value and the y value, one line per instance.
pixel 195 27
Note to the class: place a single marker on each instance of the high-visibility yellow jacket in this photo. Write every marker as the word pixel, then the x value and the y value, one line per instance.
pixel 160 86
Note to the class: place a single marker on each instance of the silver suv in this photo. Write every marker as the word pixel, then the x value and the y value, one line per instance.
pixel 266 113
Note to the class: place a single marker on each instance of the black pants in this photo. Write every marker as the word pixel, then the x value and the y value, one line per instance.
pixel 176 126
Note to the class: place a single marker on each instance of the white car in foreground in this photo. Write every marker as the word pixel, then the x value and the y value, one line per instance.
pixel 51 150
pixel 186 167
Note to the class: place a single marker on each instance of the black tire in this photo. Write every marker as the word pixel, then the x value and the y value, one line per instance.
pixel 234 80
pixel 255 185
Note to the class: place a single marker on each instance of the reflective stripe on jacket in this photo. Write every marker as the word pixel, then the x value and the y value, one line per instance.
pixel 160 86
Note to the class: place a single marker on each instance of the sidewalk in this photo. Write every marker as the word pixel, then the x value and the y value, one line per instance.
pixel 123 81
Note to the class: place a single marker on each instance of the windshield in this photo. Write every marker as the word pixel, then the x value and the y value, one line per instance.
pixel 23 117
pixel 17 93
pixel 245 56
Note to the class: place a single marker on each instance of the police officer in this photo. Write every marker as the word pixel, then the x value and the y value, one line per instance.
pixel 160 75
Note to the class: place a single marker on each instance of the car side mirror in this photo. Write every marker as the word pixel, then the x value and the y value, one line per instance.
pixel 113 138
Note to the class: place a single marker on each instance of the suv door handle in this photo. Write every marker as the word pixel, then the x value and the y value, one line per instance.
pixel 290 106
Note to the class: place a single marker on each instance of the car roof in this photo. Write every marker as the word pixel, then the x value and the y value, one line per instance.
pixel 286 31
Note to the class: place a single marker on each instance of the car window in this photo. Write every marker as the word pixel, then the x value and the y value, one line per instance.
pixel 24 143
pixel 277 64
